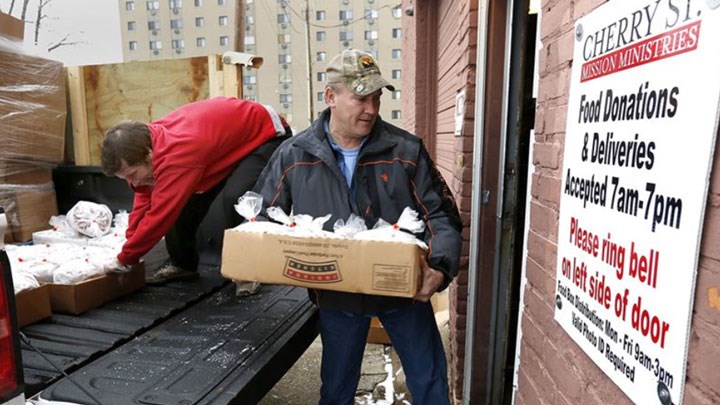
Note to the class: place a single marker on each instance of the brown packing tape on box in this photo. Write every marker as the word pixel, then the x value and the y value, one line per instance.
pixel 85 295
pixel 33 108
pixel 371 267
pixel 33 305
pixel 28 210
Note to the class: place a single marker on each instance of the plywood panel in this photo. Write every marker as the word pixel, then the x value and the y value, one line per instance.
pixel 141 91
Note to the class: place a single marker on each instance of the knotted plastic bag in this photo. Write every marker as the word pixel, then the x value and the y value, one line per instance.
pixel 354 225
pixel 384 231
pixel 249 206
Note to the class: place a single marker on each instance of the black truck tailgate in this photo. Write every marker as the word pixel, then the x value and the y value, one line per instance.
pixel 182 343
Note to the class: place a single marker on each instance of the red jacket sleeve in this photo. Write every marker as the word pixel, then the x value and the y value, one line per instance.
pixel 173 188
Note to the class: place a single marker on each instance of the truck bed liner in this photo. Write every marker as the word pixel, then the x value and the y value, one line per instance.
pixel 183 343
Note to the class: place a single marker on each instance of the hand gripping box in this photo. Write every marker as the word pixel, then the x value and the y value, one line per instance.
pixel 370 267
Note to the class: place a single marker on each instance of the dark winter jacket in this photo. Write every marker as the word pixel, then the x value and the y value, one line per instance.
pixel 394 171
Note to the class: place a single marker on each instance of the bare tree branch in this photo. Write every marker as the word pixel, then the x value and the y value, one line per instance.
pixel 12 5
pixel 24 9
pixel 64 42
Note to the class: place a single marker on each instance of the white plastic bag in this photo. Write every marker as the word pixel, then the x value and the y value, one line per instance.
pixel 349 229
pixel 383 231
pixel 91 219
pixel 249 206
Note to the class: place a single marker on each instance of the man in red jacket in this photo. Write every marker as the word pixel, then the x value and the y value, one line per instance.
pixel 194 162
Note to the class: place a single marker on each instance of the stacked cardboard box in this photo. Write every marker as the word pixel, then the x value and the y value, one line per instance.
pixel 32 111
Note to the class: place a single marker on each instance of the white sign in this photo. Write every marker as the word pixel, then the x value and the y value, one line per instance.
pixel 640 136
pixel 459 112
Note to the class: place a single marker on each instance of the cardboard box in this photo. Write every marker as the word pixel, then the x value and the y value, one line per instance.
pixel 28 211
pixel 370 267
pixel 33 305
pixel 78 298
pixel 24 173
pixel 33 108
pixel 11 27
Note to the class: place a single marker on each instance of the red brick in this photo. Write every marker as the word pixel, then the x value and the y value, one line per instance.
pixel 556 19
pixel 707 293
pixel 703 355
pixel 710 246
pixel 546 155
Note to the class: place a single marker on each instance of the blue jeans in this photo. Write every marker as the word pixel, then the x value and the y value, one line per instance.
pixel 415 337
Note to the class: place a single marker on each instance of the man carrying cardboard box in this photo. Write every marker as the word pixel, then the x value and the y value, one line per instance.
pixel 194 162
pixel 351 161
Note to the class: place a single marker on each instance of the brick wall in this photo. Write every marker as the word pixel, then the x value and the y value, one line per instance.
pixel 439 61
pixel 553 369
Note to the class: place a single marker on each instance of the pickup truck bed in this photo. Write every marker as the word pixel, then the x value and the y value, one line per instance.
pixel 183 343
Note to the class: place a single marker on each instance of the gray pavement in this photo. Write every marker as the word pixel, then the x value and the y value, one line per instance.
pixel 382 381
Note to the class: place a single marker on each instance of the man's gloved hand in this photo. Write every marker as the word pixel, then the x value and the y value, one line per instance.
pixel 114 266
pixel 431 281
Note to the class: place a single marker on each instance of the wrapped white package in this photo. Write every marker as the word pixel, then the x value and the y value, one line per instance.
pixel 75 271
pixel 23 281
pixel 354 225
pixel 121 221
pixel 383 231
pixel 61 225
pixel 90 219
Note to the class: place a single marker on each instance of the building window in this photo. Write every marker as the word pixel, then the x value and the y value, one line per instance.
pixel 222 20
pixel 175 24
pixel 371 35
pixel 396 53
pixel 321 56
pixel 397 12
pixel 396 114
pixel 286 98
pixel 155 45
pixel 284 58
pixel 249 40
pixel 221 2
pixel 198 3
pixel 285 78
pixel 250 98
pixel 249 20
pixel 175 4
pixel 153 25
pixel 249 79
pixel 345 15
pixel 373 53
pixel 132 25
pixel 224 40
pixel 320 15
pixel 153 5
pixel 129 6
pixel 178 43
pixel 396 74
pixel 283 18
pixel 371 14
pixel 396 95
pixel 199 21
pixel 284 39
pixel 346 35
pixel 320 96
pixel 321 76
pixel 320 36
pixel 200 41
pixel 397 33
pixel 133 45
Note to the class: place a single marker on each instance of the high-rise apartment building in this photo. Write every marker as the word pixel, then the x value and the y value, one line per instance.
pixel 296 38
pixel 163 29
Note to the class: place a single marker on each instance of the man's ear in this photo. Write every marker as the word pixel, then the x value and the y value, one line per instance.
pixel 329 97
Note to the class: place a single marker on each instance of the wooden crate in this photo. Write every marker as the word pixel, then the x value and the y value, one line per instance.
pixel 102 95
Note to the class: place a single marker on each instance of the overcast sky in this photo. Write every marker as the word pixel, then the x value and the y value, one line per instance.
pixel 92 25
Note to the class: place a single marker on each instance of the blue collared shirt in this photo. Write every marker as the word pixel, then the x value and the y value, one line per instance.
pixel 346 158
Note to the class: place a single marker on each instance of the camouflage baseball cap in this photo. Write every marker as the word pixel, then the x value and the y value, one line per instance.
pixel 358 71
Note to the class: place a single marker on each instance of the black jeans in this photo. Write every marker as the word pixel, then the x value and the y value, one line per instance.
pixel 197 235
